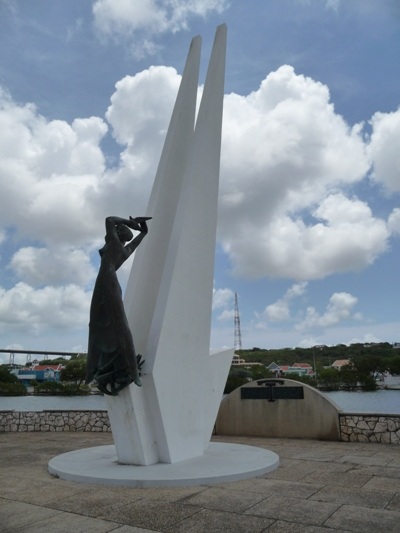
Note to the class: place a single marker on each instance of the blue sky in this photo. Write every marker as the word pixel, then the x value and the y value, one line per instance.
pixel 309 211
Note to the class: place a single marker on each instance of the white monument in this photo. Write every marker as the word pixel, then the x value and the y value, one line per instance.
pixel 162 430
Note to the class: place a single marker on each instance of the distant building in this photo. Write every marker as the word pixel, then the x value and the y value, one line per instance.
pixel 302 369
pixel 273 367
pixel 302 366
pixel 39 373
pixel 339 363
pixel 236 361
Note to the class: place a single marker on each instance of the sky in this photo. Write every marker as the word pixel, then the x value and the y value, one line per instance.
pixel 309 203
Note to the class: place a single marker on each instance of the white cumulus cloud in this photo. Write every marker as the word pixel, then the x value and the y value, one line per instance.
pixel 339 308
pixel 146 20
pixel 384 151
pixel 280 310
pixel 223 303
pixel 48 170
pixel 288 161
pixel 394 221
pixel 35 310
pixel 222 298
pixel 52 266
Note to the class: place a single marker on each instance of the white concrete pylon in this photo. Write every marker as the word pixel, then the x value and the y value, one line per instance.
pixel 143 285
pixel 169 295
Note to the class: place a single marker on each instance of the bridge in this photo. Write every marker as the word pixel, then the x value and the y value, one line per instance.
pixel 29 354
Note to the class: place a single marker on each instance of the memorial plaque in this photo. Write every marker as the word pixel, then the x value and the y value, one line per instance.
pixel 288 393
pixel 271 393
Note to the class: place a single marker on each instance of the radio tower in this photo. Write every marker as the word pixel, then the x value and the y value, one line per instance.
pixel 238 335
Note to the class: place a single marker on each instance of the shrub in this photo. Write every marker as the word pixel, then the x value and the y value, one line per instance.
pixel 368 383
pixel 55 388
pixel 301 378
pixel 12 389
pixel 48 387
pixel 233 382
pixel 70 389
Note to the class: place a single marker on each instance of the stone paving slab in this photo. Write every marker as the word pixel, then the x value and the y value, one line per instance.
pixel 294 510
pixel 95 503
pixel 373 460
pixel 383 471
pixel 170 494
pixel 395 462
pixel 394 504
pixel 362 497
pixel 65 523
pixel 130 529
pixel 275 487
pixel 224 499
pixel 214 521
pixel 290 527
pixel 341 479
pixel 296 470
pixel 363 520
pixel 150 514
pixel 383 483
pixel 15 515
pixel 37 492
pixel 319 487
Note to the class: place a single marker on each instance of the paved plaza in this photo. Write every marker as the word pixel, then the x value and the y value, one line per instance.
pixel 319 487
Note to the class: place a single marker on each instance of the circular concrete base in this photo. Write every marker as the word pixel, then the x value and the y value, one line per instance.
pixel 221 462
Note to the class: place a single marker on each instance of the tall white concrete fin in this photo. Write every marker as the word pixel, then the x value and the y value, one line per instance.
pixel 148 266
pixel 169 294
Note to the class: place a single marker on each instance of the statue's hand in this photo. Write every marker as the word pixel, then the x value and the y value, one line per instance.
pixel 141 219
pixel 142 223
pixel 133 224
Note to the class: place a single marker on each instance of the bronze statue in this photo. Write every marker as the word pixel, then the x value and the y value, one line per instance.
pixel 112 361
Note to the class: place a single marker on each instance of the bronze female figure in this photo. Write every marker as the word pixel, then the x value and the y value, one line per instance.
pixel 112 361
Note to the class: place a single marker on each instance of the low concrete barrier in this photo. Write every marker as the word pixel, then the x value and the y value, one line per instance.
pixel 267 408
pixel 54 421
pixel 281 408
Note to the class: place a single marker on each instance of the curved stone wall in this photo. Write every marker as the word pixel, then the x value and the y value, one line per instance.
pixel 54 421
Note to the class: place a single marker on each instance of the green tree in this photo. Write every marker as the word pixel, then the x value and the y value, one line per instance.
pixel 56 361
pixel 74 372
pixel 9 384
pixel 236 378
pixel 329 378
pixel 260 372
pixel 368 383
pixel 393 365
pixel 369 364
pixel 349 377
pixel 6 376
pixel 302 378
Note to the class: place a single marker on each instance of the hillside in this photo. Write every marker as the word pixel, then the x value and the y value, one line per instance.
pixel 323 355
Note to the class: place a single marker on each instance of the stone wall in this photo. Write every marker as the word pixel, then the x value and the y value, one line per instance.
pixel 370 428
pixel 54 421
pixel 353 427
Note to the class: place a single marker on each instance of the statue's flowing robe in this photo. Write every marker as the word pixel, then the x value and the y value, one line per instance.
pixel 109 335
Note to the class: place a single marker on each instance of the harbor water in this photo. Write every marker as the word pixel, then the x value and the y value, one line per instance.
pixel 381 401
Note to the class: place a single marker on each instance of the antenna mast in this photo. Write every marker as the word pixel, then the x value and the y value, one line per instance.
pixel 238 335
